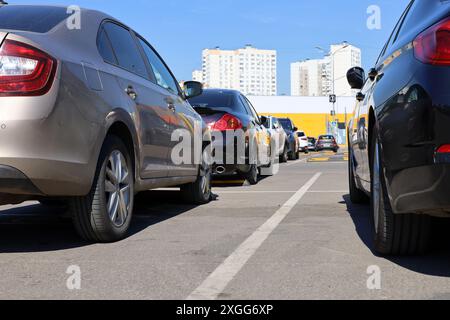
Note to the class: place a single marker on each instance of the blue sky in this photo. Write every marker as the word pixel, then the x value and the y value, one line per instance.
pixel 179 30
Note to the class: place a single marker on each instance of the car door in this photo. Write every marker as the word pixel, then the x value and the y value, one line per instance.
pixel 182 116
pixel 261 134
pixel 151 115
pixel 280 135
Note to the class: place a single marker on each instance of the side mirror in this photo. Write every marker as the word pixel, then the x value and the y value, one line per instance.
pixel 360 96
pixel 192 89
pixel 356 77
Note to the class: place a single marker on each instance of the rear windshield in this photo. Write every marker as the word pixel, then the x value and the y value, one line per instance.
pixel 301 134
pixel 40 19
pixel 326 138
pixel 222 101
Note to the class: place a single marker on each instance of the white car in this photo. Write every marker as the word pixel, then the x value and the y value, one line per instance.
pixel 277 134
pixel 303 140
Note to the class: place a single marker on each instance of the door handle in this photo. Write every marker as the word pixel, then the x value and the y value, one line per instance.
pixel 131 93
pixel 171 107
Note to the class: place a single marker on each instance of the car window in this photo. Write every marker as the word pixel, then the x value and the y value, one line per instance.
pixel 251 108
pixel 105 48
pixel 163 77
pixel 392 37
pixel 276 125
pixel 125 49
pixel 38 19
pixel 286 124
pixel 218 100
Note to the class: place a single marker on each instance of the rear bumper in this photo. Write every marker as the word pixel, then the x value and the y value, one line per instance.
pixel 423 189
pixel 13 181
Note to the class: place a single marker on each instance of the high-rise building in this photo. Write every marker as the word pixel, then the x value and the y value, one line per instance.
pixel 197 75
pixel 325 76
pixel 306 78
pixel 249 70
pixel 342 58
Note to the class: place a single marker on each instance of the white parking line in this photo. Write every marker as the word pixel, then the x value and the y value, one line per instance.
pixel 216 283
pixel 329 191
pixel 244 191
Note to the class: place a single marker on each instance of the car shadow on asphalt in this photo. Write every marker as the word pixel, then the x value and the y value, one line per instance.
pixel 435 263
pixel 38 228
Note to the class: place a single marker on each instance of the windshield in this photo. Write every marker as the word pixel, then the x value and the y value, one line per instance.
pixel 39 19
pixel 328 138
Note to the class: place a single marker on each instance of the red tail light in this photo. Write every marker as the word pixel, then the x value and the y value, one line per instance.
pixel 444 149
pixel 433 45
pixel 25 70
pixel 227 122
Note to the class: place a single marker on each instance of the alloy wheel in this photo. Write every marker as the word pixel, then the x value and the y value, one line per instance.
pixel 117 189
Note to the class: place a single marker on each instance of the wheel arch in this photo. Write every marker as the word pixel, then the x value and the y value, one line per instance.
pixel 120 124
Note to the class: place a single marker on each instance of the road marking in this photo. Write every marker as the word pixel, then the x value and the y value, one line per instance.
pixel 217 281
pixel 329 191
pixel 299 161
pixel 243 191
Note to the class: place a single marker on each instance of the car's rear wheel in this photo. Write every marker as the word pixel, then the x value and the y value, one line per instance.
pixel 357 196
pixel 252 175
pixel 395 234
pixel 199 192
pixel 104 215
pixel 284 155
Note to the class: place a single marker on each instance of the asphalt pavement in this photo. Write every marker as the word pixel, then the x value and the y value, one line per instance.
pixel 292 236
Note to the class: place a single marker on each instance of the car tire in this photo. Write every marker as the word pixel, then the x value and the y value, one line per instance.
pixel 284 155
pixel 104 214
pixel 357 196
pixel 292 155
pixel 199 192
pixel 394 234
pixel 252 175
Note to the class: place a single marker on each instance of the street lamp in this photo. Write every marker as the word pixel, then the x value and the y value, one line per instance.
pixel 333 82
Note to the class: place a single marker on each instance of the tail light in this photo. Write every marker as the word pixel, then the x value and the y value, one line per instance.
pixel 227 122
pixel 433 45
pixel 304 139
pixel 25 70
pixel 444 149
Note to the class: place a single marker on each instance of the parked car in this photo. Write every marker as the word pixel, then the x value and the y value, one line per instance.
pixel 312 144
pixel 399 151
pixel 303 141
pixel 230 110
pixel 277 134
pixel 327 142
pixel 293 145
pixel 87 117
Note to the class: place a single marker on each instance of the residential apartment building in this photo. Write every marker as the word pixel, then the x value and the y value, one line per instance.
pixel 197 75
pixel 249 70
pixel 322 77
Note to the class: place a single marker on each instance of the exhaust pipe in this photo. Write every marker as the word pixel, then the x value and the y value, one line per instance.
pixel 220 169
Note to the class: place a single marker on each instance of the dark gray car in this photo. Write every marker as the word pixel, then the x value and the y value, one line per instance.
pixel 87 112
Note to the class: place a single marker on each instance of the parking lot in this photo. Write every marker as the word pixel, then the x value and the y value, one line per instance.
pixel 293 236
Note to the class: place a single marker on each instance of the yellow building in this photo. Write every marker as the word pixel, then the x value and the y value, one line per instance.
pixel 310 114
